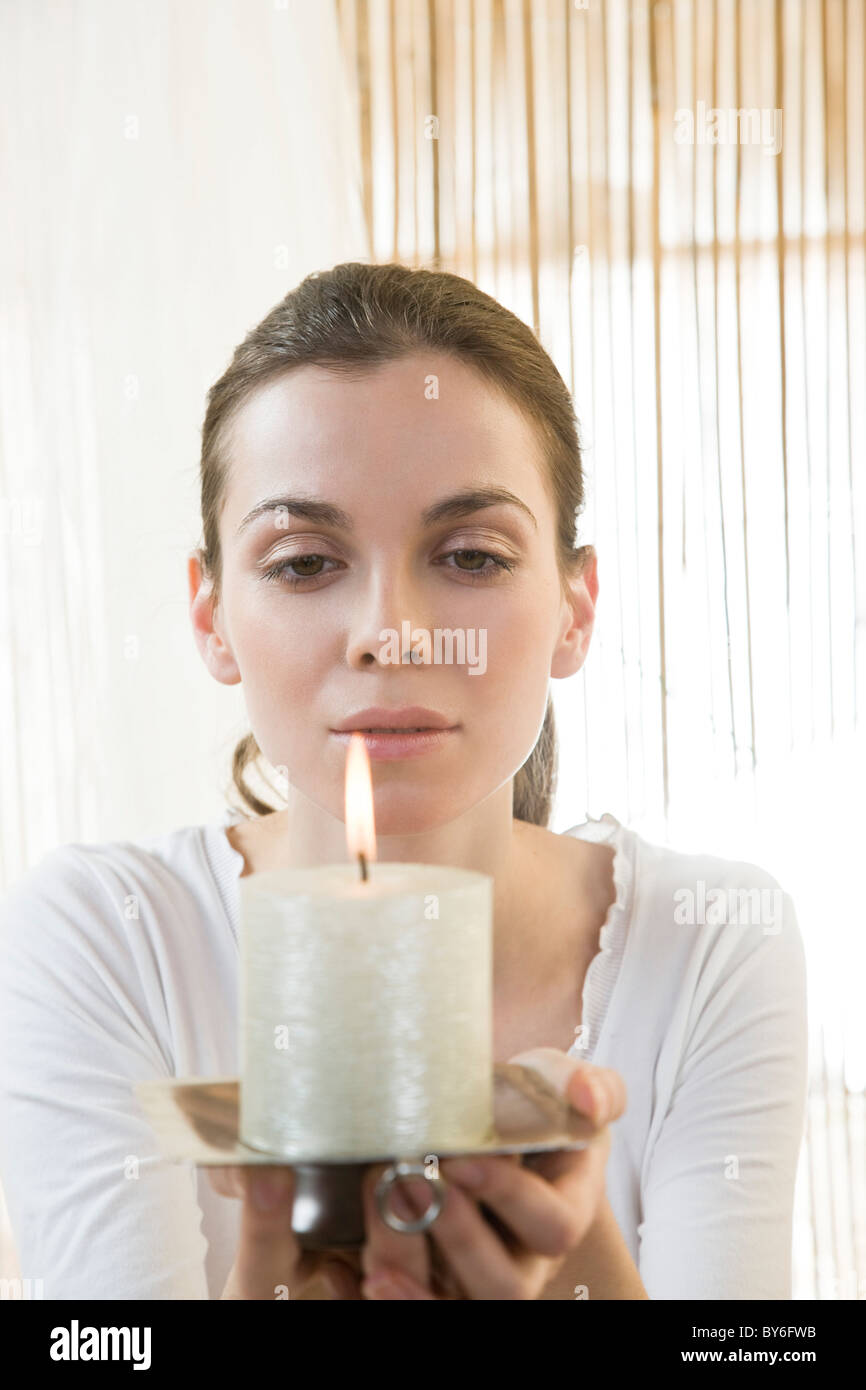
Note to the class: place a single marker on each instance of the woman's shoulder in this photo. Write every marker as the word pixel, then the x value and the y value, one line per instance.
pixel 733 906
pixel 696 940
pixel 82 888
pixel 87 862
pixel 659 863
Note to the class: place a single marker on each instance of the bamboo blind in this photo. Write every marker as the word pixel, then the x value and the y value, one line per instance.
pixel 705 300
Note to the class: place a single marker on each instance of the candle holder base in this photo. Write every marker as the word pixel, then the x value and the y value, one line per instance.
pixel 196 1120
pixel 328 1212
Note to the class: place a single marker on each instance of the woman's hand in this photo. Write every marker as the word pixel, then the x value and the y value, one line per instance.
pixel 538 1212
pixel 269 1262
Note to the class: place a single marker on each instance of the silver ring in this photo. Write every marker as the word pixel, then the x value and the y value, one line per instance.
pixel 408 1169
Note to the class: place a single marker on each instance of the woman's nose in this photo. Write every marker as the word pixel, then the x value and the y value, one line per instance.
pixel 379 629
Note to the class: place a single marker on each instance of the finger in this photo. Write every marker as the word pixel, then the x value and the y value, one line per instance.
pixel 227 1181
pixel 602 1108
pixel 475 1254
pixel 597 1092
pixel 384 1246
pixel 555 1164
pixel 235 1180
pixel 579 1178
pixel 536 1213
pixel 269 1258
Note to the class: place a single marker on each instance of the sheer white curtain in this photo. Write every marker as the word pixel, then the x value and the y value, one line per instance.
pixel 168 172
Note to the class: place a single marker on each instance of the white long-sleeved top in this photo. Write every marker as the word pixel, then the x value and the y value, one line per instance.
pixel 119 963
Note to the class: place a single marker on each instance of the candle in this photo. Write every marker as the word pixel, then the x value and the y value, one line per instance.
pixel 366 1024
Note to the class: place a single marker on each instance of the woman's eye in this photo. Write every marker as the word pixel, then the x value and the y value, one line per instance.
pixel 285 571
pixel 475 562
pixel 297 568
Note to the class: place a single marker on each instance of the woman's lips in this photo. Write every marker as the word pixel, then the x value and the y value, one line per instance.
pixel 389 744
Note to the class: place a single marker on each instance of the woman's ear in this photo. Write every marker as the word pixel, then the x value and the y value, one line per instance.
pixel 215 651
pixel 578 616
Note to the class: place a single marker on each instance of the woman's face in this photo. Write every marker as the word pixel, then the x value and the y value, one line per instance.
pixel 360 512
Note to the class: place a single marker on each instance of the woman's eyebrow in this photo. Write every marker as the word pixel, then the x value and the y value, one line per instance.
pixel 326 514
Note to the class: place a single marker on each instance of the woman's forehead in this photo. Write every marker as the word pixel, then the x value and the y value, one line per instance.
pixel 443 396
pixel 418 426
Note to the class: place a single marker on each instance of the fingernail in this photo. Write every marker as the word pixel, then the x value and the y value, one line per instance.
pixel 595 1091
pixel 268 1192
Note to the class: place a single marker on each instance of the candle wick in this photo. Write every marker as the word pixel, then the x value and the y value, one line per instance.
pixel 362 861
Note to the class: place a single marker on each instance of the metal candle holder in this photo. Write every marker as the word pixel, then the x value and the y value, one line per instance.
pixel 196 1120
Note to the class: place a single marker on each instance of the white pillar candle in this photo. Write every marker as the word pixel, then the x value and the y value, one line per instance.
pixel 366 1010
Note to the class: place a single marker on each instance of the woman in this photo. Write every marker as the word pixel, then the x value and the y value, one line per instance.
pixel 389 446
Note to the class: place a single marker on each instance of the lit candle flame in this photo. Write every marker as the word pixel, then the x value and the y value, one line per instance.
pixel 360 823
